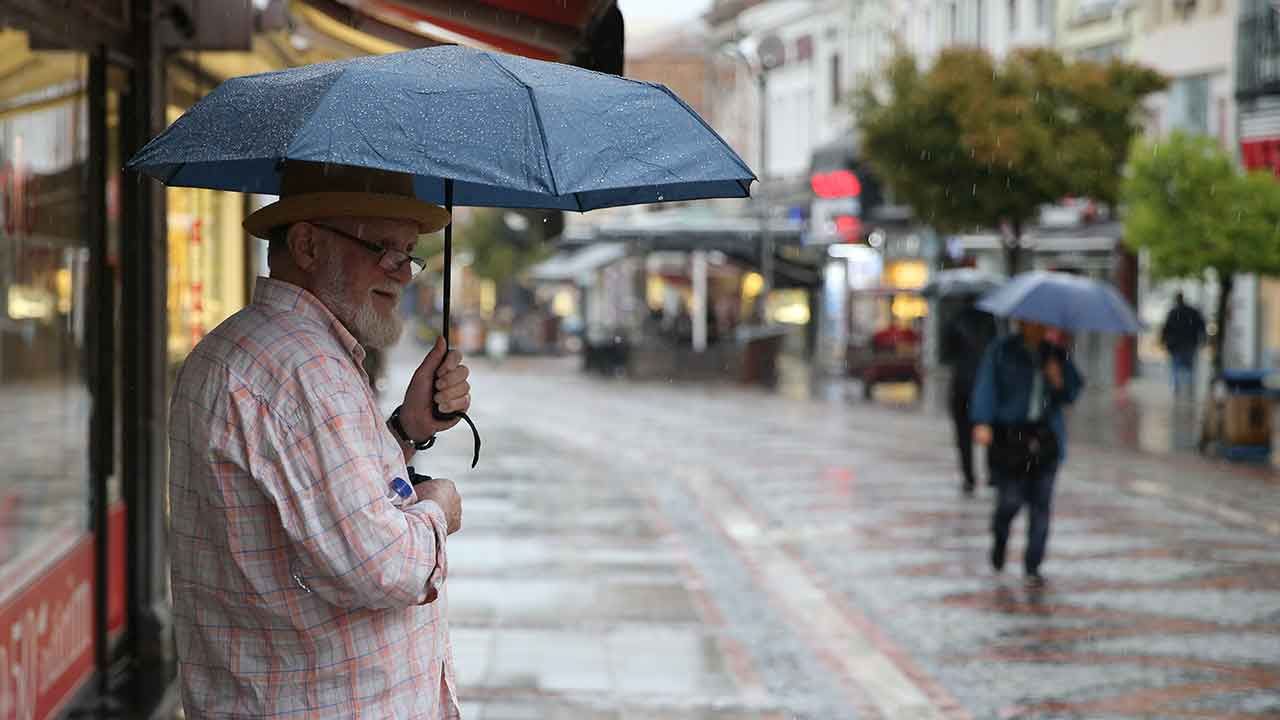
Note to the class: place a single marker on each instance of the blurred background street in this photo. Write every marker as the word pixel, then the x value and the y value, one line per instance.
pixel 635 550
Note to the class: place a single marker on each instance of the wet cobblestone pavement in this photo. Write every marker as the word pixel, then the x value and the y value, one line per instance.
pixel 655 550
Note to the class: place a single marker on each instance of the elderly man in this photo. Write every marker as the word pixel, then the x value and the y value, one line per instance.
pixel 307 573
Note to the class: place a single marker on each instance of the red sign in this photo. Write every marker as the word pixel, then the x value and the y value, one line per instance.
pixel 46 638
pixel 835 184
pixel 46 630
pixel 849 228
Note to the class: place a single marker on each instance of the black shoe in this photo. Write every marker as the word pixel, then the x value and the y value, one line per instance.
pixel 997 557
pixel 1034 581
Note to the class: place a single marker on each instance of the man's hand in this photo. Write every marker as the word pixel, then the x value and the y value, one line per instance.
pixel 442 378
pixel 1053 372
pixel 982 435
pixel 445 494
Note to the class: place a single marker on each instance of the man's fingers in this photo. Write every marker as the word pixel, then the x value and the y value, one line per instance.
pixel 455 403
pixel 457 376
pixel 452 393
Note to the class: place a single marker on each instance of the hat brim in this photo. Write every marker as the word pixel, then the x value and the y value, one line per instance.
pixel 312 206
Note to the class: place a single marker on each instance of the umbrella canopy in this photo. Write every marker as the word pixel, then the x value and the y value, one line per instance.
pixel 506 130
pixel 961 282
pixel 1067 301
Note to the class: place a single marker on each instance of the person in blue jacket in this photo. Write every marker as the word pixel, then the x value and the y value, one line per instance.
pixel 1023 383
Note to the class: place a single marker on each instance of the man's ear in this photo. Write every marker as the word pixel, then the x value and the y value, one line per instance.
pixel 304 246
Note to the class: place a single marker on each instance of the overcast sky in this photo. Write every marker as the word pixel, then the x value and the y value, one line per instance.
pixel 645 16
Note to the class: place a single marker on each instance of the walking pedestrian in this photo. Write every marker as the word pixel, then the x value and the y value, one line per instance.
pixel 964 339
pixel 308 574
pixel 1182 335
pixel 1023 383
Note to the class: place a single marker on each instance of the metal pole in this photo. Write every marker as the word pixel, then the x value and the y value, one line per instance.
pixel 448 260
pixel 766 238
pixel 699 300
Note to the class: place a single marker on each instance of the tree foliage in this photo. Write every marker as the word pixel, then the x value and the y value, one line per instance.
pixel 970 143
pixel 500 253
pixel 1188 206
pixel 1192 210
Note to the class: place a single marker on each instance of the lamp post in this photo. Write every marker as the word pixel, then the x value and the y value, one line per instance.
pixel 759 56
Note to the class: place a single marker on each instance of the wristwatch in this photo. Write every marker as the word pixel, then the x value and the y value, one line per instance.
pixel 398 429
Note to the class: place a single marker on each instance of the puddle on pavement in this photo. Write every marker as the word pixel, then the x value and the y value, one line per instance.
pixel 560 601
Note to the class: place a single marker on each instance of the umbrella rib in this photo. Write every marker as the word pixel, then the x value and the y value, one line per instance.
pixel 537 116
pixel 170 176
pixel 708 128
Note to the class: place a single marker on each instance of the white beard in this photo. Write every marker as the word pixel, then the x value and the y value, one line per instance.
pixel 368 326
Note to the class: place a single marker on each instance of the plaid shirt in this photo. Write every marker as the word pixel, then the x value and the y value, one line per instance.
pixel 297 585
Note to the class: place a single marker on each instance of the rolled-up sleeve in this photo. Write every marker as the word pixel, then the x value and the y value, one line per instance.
pixel 328 477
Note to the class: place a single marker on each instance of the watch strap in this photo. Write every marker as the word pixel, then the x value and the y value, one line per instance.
pixel 398 428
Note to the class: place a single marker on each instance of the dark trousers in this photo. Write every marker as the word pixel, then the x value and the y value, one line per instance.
pixel 964 435
pixel 1034 491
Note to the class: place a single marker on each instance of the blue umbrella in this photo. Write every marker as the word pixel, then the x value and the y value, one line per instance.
pixel 507 131
pixel 1066 301
pixel 472 128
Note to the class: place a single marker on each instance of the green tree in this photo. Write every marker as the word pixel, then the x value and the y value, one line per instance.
pixel 1192 210
pixel 970 143
pixel 501 253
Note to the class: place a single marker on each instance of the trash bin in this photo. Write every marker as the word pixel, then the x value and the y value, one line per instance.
pixel 1242 412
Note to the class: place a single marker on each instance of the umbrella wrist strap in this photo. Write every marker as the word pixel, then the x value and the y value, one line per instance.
pixel 475 434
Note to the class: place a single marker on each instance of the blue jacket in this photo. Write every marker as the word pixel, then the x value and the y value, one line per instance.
pixel 1002 391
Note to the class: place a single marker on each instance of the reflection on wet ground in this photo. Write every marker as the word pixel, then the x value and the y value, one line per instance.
pixel 1143 416
pixel 642 550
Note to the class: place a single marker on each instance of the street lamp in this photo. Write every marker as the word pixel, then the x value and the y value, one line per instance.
pixel 759 56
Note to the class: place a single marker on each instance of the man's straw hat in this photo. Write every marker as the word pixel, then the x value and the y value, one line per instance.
pixel 310 191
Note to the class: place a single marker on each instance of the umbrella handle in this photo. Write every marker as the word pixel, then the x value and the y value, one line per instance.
pixel 448 276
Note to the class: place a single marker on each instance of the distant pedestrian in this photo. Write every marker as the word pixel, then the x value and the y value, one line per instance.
pixel 964 339
pixel 1023 383
pixel 1182 335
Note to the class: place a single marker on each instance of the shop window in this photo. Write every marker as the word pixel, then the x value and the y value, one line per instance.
pixel 207 268
pixel 44 272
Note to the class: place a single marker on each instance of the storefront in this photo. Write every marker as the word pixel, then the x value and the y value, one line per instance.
pixel 63 524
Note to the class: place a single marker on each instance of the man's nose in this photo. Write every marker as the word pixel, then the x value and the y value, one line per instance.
pixel 402 274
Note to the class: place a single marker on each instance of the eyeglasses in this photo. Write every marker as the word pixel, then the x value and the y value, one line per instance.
pixel 389 259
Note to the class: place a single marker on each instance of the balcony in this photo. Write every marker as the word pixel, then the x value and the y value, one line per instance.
pixel 1258 55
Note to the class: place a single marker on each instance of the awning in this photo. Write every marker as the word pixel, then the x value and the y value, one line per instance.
pixel 686 229
pixel 1100 238
pixel 301 32
pixel 696 228
pixel 542 30
pixel 568 265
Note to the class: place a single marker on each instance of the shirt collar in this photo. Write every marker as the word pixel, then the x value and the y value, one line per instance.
pixel 291 298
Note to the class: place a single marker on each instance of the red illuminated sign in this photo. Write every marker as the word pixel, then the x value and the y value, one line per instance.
pixel 836 184
pixel 849 228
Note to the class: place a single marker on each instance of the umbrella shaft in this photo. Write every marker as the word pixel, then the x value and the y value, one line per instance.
pixel 448 257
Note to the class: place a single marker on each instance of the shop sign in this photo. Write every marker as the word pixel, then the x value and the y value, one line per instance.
pixel 46 638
